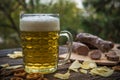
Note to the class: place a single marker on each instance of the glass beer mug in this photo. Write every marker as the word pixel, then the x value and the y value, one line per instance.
pixel 39 39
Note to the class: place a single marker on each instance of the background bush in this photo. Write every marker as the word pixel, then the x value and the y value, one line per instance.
pixel 99 17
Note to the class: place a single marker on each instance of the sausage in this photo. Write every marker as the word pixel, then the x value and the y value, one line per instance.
pixel 112 56
pixel 95 54
pixel 80 48
pixel 99 43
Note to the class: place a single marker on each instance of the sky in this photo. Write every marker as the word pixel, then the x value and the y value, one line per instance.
pixel 78 2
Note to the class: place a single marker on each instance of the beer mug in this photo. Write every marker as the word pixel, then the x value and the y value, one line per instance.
pixel 39 39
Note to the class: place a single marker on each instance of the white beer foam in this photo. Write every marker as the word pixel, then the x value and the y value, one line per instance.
pixel 39 23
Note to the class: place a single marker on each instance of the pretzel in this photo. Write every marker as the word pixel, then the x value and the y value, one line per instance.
pixel 116 68
pixel 44 79
pixel 34 76
pixel 20 73
pixel 16 78
pixel 4 72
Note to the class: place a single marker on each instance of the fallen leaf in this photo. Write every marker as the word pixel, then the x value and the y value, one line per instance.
pixel 5 65
pixel 102 71
pixel 62 76
pixel 88 65
pixel 83 71
pixel 75 66
pixel 16 54
pixel 14 67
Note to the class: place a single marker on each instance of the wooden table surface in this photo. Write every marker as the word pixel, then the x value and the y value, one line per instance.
pixel 61 69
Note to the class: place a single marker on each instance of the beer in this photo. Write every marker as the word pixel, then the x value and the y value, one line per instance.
pixel 39 39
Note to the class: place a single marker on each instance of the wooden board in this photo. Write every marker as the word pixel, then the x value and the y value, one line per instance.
pixel 102 61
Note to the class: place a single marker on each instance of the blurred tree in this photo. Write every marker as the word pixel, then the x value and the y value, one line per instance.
pixel 11 9
pixel 102 18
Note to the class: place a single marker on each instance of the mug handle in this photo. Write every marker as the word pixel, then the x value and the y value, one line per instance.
pixel 68 35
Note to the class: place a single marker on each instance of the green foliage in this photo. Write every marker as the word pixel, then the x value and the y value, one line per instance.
pixel 103 18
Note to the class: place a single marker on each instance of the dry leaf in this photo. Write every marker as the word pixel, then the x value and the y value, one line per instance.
pixel 88 65
pixel 62 76
pixel 16 54
pixel 5 65
pixel 75 66
pixel 83 71
pixel 102 71
pixel 14 67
